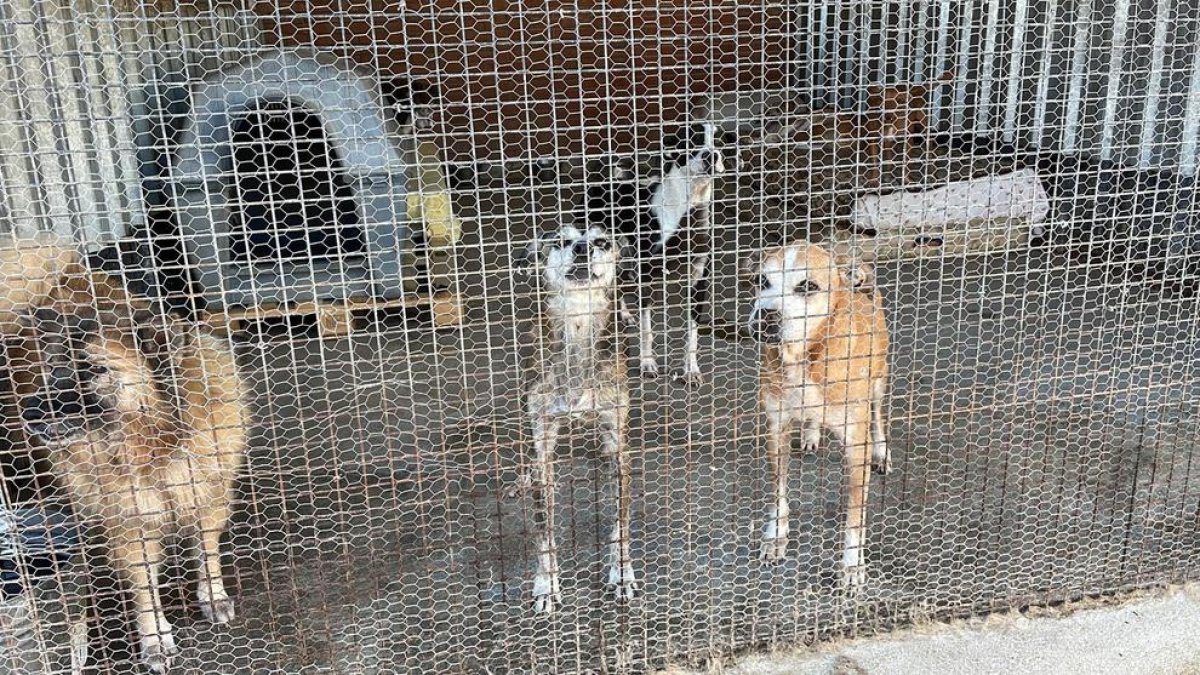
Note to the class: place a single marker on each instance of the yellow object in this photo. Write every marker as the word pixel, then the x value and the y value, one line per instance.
pixel 429 199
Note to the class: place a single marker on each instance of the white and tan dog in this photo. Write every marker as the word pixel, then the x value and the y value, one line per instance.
pixel 824 366
pixel 579 371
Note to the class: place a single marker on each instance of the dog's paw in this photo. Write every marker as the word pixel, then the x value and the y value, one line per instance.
pixel 881 459
pixel 219 610
pixel 648 369
pixel 854 578
pixel 810 439
pixel 774 549
pixel 692 376
pixel 158 650
pixel 546 593
pixel 623 581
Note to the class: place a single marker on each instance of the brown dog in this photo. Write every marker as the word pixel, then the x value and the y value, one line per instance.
pixel 144 422
pixel 896 117
pixel 824 366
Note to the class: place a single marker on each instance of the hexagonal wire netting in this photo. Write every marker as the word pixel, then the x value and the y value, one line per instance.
pixel 313 282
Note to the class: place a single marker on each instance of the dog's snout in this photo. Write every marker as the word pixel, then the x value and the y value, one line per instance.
pixel 62 404
pixel 765 325
pixel 711 161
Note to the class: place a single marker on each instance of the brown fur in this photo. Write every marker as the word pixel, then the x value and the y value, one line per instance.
pixel 167 462
pixel 835 378
pixel 36 272
pixel 897 115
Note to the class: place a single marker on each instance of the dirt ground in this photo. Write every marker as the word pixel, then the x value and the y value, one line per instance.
pixel 1043 425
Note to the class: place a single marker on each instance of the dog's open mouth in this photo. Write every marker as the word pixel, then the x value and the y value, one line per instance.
pixel 582 273
pixel 766 327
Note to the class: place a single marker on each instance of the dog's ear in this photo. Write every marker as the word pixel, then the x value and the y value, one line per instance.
pixel 624 246
pixel 526 258
pixel 858 276
pixel 750 263
pixel 627 255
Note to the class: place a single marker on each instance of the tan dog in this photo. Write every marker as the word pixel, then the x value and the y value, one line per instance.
pixel 824 366
pixel 144 422
pixel 35 272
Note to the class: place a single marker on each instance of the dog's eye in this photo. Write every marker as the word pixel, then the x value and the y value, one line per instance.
pixel 97 370
pixel 602 243
pixel 764 282
pixel 806 287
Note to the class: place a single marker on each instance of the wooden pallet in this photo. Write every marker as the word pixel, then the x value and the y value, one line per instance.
pixel 335 319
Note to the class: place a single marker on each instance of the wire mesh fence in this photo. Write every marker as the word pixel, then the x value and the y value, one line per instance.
pixel 485 337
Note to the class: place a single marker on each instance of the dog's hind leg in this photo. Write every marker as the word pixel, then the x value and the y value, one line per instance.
pixel 215 603
pixel 613 429
pixel 137 556
pixel 881 456
pixel 546 590
pixel 854 434
pixel 779 456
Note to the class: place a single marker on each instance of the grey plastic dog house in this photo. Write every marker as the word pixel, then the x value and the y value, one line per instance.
pixel 290 185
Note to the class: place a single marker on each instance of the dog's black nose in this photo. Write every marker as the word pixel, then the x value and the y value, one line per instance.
pixel 62 404
pixel 765 325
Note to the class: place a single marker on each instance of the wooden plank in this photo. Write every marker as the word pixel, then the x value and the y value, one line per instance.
pixel 337 318
pixel 447 310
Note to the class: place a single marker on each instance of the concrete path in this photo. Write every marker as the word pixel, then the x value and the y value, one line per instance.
pixel 1157 635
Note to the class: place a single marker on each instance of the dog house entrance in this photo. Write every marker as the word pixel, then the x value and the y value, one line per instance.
pixel 291 197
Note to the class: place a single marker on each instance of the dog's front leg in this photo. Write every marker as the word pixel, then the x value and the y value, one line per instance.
pixel 699 284
pixel 613 428
pixel 546 590
pixel 881 456
pixel 215 603
pixel 858 466
pixel 648 361
pixel 779 453
pixel 137 556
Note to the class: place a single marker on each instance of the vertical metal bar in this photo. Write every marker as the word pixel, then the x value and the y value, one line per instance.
pixel 826 55
pixel 93 133
pixel 903 30
pixel 940 58
pixel 1042 98
pixel 30 182
pixel 920 51
pixel 50 81
pixel 987 69
pixel 865 58
pixel 1016 69
pixel 965 38
pixel 1146 142
pixel 1191 119
pixel 816 45
pixel 1116 66
pixel 1079 61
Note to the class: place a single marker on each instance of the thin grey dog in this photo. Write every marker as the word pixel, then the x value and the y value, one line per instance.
pixel 579 372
